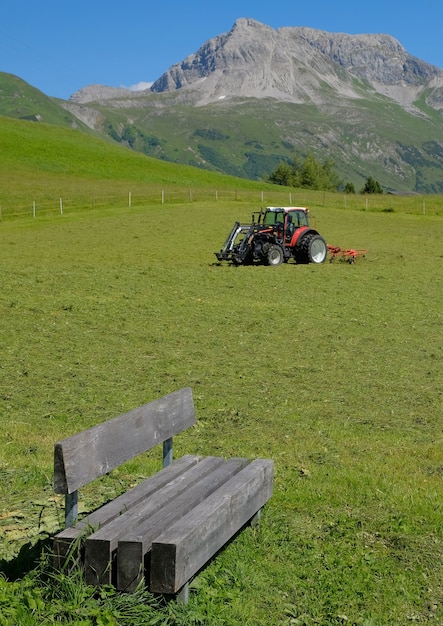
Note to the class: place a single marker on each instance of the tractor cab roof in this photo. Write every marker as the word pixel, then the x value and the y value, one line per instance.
pixel 287 209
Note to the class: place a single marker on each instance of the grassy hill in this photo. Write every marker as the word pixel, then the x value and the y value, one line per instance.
pixel 43 162
pixel 20 100
pixel 60 153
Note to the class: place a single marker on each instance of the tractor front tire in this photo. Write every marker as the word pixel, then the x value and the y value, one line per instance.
pixel 274 255
pixel 312 249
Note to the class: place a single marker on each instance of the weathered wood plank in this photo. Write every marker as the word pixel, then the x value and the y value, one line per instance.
pixel 106 446
pixel 101 545
pixel 133 547
pixel 181 551
pixel 63 541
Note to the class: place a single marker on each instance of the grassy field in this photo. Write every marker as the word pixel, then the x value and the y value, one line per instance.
pixel 334 371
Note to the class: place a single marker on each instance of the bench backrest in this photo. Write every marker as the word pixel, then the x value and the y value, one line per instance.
pixel 94 452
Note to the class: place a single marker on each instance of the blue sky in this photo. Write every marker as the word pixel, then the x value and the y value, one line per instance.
pixel 60 47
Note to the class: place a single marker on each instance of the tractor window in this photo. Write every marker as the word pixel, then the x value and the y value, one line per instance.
pixel 299 218
pixel 303 219
pixel 290 227
pixel 272 218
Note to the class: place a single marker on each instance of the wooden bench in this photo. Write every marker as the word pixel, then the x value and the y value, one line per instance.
pixel 164 530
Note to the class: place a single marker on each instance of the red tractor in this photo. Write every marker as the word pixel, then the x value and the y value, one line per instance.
pixel 276 235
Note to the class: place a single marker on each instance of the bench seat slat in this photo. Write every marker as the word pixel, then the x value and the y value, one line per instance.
pixel 182 550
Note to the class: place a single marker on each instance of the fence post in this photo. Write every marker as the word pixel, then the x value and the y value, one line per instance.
pixel 130 199
pixel 61 206
pixel 33 208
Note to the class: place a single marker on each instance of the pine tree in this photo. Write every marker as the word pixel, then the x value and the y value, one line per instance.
pixel 282 175
pixel 372 186
pixel 309 174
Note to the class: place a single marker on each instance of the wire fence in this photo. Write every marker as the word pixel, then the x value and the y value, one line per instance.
pixel 46 204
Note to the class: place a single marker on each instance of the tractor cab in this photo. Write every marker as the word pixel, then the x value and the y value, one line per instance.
pixel 285 220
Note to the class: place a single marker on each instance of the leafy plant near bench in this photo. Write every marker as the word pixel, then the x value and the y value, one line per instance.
pixel 56 597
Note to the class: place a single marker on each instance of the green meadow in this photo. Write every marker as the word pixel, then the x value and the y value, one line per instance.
pixel 333 371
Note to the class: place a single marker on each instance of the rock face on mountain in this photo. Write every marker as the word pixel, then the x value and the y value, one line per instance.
pixel 96 93
pixel 295 64
pixel 376 58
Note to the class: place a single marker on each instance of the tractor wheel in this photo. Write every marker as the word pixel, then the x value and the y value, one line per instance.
pixel 312 249
pixel 274 255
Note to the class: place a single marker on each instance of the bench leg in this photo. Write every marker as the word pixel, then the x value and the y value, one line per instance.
pixel 183 595
pixel 255 520
pixel 71 508
pixel 167 452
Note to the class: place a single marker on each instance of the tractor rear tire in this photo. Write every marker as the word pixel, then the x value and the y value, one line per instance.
pixel 312 249
pixel 274 255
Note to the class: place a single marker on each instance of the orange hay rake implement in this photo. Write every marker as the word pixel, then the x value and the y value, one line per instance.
pixel 345 254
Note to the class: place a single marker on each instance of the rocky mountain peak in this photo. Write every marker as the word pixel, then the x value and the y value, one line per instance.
pixel 291 63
